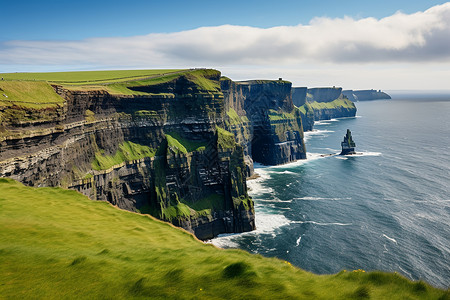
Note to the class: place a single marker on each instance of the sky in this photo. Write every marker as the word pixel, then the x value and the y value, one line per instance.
pixel 389 45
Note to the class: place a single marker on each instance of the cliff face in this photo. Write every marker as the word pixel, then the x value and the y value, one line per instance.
pixel 299 95
pixel 275 133
pixel 325 94
pixel 163 152
pixel 365 95
pixel 321 104
pixel 178 149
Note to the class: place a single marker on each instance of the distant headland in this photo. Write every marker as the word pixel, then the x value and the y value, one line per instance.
pixel 365 95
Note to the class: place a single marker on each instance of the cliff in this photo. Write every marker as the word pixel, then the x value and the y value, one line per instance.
pixel 321 104
pixel 324 94
pixel 365 95
pixel 276 135
pixel 173 145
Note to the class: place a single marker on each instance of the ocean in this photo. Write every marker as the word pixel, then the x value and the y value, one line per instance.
pixel 386 208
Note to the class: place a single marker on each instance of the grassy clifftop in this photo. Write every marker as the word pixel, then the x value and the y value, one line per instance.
pixel 58 244
pixel 119 82
pixel 344 103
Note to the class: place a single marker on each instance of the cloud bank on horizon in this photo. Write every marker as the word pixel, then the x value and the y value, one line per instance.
pixel 421 37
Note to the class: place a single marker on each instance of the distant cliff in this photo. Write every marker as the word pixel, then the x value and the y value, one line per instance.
pixel 321 104
pixel 178 146
pixel 324 94
pixel 365 95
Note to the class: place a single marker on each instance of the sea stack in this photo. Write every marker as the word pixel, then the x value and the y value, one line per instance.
pixel 348 145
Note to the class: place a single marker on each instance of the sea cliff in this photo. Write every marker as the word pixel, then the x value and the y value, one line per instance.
pixel 365 95
pixel 318 104
pixel 178 146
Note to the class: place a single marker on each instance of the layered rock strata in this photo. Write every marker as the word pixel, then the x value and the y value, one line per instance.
pixel 180 149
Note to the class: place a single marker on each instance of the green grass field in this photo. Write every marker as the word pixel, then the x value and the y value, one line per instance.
pixel 88 77
pixel 118 82
pixel 57 244
pixel 333 104
pixel 28 94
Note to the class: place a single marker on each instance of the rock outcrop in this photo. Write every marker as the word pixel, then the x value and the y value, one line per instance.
pixel 365 95
pixel 348 145
pixel 179 149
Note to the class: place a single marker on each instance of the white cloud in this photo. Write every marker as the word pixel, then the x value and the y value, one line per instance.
pixel 324 44
pixel 423 36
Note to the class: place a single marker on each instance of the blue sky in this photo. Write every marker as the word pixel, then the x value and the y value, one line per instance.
pixel 268 39
pixel 62 19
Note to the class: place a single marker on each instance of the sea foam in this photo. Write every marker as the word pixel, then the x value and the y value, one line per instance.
pixel 266 223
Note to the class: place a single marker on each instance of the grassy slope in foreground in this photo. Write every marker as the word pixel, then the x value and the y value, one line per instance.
pixel 57 244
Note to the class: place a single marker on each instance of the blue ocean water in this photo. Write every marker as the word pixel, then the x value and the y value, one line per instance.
pixel 385 209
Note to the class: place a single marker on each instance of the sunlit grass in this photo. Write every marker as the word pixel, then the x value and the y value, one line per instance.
pixel 57 244
pixel 87 77
pixel 28 94
pixel 127 151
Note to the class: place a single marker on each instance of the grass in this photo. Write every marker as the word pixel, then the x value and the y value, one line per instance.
pixel 345 103
pixel 206 205
pixel 128 151
pixel 182 145
pixel 234 118
pixel 28 94
pixel 118 82
pixel 176 211
pixel 225 139
pixel 58 244
pixel 275 115
pixel 87 77
pixel 29 97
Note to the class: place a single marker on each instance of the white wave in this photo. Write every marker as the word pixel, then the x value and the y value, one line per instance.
pixel 298 240
pixel 256 187
pixel 389 238
pixel 284 208
pixel 321 199
pixel 284 172
pixel 225 240
pixel 318 132
pixel 273 200
pixel 330 150
pixel 269 223
pixel 364 154
pixel 309 157
pixel 265 224
pixel 322 224
pixel 341 157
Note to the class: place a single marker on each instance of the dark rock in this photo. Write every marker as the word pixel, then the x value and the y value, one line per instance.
pixel 326 94
pixel 348 145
